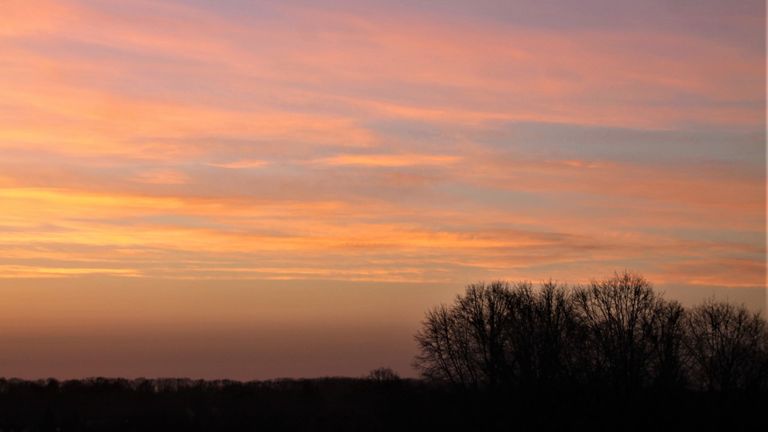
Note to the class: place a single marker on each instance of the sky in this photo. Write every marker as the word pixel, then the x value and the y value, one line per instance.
pixel 251 189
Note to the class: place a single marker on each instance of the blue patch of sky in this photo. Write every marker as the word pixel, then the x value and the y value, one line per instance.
pixel 751 239
pixel 461 194
pixel 566 141
pixel 715 19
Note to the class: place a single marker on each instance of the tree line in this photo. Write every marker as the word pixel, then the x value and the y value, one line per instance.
pixel 615 334
pixel 611 355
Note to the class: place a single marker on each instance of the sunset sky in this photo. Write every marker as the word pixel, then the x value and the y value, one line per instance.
pixel 245 189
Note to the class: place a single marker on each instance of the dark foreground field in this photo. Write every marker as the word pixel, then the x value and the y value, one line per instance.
pixel 346 404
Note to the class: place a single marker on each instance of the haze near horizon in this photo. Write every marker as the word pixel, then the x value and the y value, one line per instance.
pixel 252 189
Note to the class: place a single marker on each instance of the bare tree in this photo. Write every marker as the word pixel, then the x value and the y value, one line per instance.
pixel 615 332
pixel 484 311
pixel 541 335
pixel 618 316
pixel 464 343
pixel 726 347
pixel 497 335
pixel 665 335
pixel 445 349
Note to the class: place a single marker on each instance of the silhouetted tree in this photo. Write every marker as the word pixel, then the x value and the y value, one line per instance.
pixel 538 349
pixel 485 312
pixel 499 335
pixel 438 357
pixel 726 347
pixel 665 335
pixel 616 333
pixel 541 333
pixel 464 344
pixel 622 335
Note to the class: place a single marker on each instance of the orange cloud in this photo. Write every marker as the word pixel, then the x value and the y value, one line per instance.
pixel 241 164
pixel 174 89
pixel 388 160
pixel 169 177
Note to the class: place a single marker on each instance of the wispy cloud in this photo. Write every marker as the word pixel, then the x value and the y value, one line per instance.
pixel 168 177
pixel 241 164
pixel 362 143
pixel 388 160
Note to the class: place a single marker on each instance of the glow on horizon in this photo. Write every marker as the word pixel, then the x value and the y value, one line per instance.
pixel 385 145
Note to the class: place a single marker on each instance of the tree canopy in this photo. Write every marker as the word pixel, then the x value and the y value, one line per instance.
pixel 615 333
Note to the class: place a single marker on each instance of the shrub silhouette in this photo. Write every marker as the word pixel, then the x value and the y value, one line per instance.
pixel 383 374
